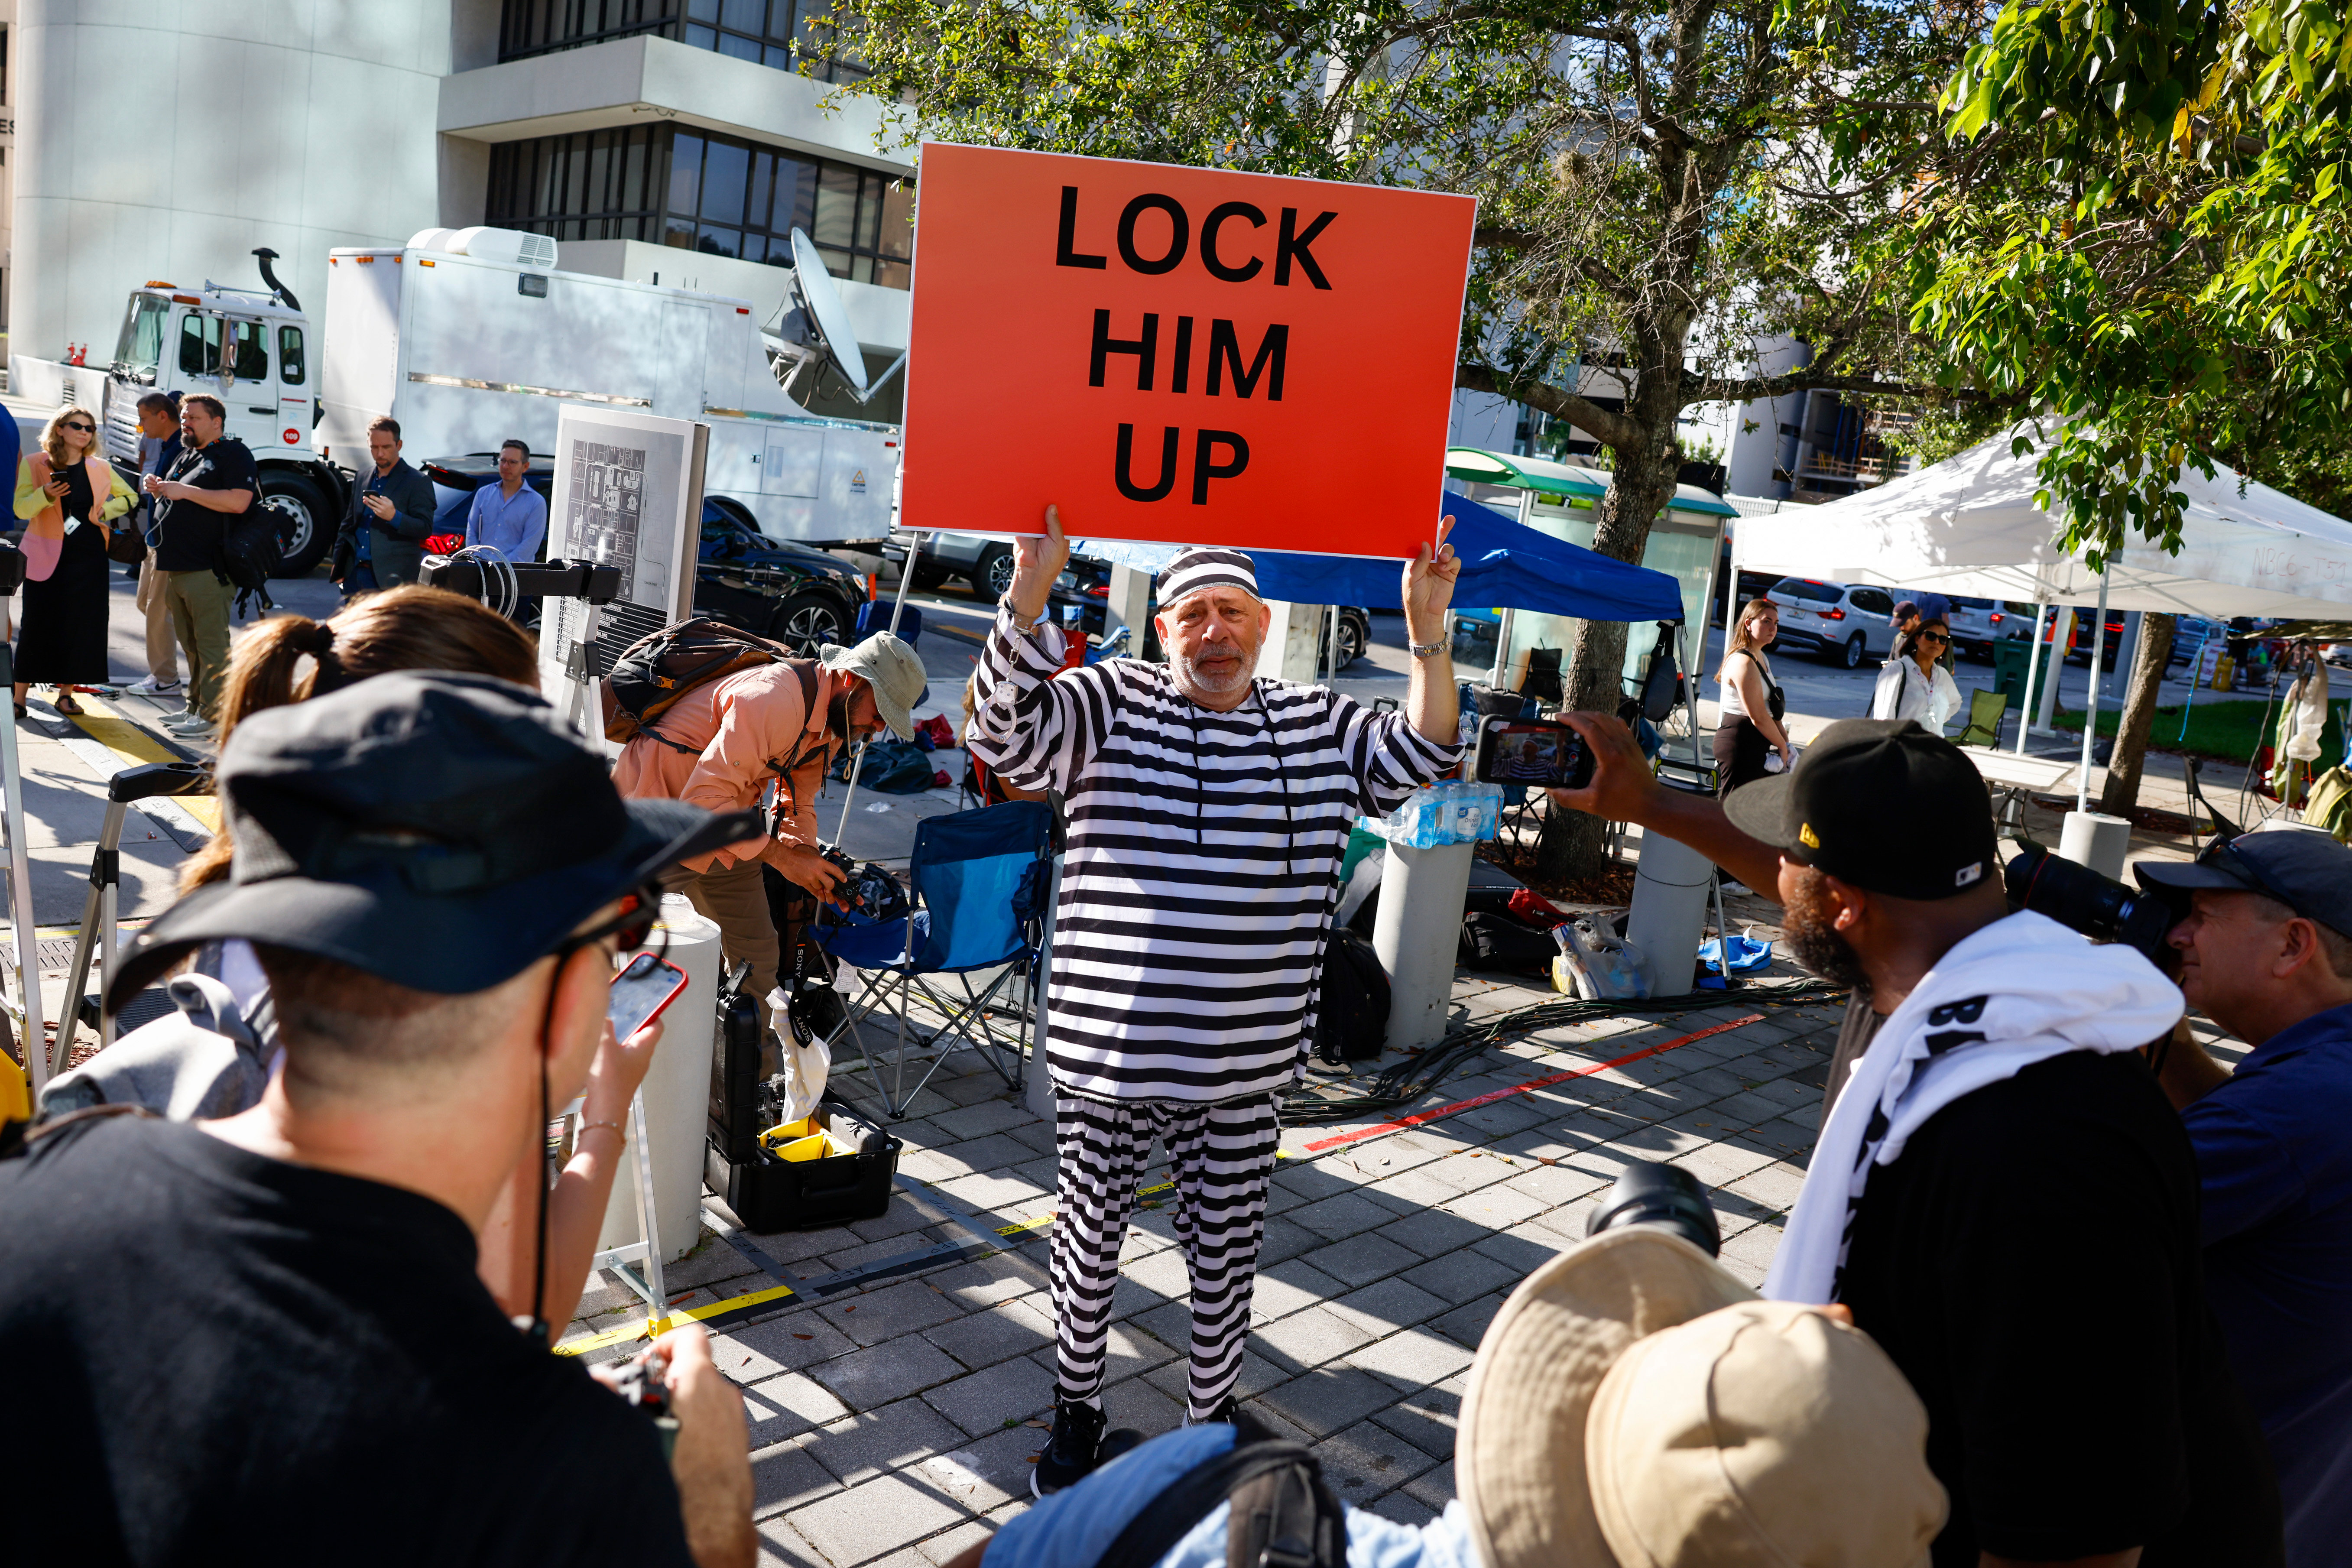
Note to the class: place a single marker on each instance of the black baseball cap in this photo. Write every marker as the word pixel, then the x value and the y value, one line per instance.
pixel 1879 803
pixel 437 831
pixel 2303 867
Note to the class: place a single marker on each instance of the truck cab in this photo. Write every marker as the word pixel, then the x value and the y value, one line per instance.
pixel 255 351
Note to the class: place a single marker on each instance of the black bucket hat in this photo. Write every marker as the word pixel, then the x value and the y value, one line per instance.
pixel 440 831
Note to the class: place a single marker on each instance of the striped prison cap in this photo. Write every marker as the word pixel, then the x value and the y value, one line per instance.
pixel 1202 567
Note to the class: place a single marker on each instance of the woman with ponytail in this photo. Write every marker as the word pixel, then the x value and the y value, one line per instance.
pixel 291 658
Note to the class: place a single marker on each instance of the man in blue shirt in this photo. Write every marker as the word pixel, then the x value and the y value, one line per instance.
pixel 2266 953
pixel 509 517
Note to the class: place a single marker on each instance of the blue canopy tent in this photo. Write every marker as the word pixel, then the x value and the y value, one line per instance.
pixel 1505 564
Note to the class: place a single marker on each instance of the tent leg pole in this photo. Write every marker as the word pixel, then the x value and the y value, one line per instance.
pixel 2091 698
pixel 2032 663
pixel 905 577
pixel 1502 648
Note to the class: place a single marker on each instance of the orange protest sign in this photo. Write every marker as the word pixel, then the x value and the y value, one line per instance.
pixel 1187 356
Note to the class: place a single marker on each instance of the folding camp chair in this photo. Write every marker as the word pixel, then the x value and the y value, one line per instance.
pixel 979 878
pixel 1986 712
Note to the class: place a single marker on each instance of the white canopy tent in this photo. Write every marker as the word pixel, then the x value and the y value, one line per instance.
pixel 1968 525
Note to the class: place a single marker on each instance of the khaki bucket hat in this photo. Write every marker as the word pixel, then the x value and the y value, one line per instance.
pixel 1633 1406
pixel 893 669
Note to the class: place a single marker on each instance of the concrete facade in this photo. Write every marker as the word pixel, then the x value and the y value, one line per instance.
pixel 296 124
pixel 304 125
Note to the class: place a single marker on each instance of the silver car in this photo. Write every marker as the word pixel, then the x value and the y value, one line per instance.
pixel 1844 623
pixel 985 564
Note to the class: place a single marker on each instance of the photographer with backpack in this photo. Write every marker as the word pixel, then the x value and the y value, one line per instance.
pixel 214 481
pixel 734 714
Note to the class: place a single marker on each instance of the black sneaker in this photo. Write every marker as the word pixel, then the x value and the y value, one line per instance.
pixel 1072 1452
pixel 1228 1411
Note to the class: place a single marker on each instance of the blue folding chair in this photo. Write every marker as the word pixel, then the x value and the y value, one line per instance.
pixel 980 881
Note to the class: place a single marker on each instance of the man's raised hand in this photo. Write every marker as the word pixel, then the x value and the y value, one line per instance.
pixel 1429 579
pixel 1036 563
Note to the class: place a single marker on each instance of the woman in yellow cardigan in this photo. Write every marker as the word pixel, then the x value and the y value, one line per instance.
pixel 68 494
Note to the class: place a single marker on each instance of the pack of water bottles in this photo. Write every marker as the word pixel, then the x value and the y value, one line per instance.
pixel 1452 811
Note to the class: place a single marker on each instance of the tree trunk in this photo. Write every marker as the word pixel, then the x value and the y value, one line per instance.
pixel 1569 846
pixel 2149 662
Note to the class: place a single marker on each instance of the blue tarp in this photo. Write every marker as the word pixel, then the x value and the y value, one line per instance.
pixel 1505 564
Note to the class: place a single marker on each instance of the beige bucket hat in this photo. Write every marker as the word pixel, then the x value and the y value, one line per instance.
pixel 893 669
pixel 1633 1406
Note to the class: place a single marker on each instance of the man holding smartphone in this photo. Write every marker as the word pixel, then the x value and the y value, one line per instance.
pixel 438 879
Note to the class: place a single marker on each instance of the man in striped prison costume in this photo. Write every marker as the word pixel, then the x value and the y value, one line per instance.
pixel 1208 812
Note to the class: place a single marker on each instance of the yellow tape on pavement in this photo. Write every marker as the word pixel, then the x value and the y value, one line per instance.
pixel 135 745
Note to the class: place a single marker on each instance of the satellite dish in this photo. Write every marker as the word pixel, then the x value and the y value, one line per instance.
pixel 821 304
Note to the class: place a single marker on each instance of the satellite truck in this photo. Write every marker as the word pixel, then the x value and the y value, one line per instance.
pixel 471 337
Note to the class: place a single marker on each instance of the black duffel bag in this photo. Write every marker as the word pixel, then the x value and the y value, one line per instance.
pixel 1498 944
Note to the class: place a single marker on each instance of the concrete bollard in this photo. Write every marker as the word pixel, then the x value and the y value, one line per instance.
pixel 1670 888
pixel 2100 842
pixel 1417 934
pixel 677 1093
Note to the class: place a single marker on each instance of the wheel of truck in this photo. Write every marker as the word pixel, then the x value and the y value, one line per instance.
pixel 992 572
pixel 805 621
pixel 305 523
pixel 1850 656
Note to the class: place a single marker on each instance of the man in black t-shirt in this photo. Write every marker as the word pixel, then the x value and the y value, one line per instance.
pixel 2000 1196
pixel 213 479
pixel 263 1340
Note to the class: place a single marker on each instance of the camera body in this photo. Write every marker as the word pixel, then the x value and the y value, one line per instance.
pixel 638 1381
pixel 867 889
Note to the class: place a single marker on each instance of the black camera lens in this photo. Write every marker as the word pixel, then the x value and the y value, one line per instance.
pixel 2080 899
pixel 1651 1193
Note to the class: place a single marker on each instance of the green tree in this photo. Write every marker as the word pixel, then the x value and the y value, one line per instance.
pixel 2139 233
pixel 1665 184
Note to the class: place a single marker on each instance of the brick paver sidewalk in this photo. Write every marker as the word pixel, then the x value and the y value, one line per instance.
pixel 890 1424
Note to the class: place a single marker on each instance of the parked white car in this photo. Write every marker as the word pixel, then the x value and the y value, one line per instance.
pixel 1978 623
pixel 1844 623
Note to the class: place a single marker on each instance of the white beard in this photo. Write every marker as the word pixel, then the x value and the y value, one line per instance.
pixel 1191 677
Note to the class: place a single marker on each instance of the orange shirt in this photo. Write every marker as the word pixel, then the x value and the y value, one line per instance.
pixel 742 728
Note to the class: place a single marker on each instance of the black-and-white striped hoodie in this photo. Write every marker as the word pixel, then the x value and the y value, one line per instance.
pixel 1203 860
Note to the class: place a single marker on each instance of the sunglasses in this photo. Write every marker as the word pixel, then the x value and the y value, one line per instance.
pixel 77 424
pixel 630 929
pixel 1935 636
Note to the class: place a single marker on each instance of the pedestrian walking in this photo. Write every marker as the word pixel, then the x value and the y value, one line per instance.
pixel 214 480
pixel 160 448
pixel 1208 811
pixel 69 495
pixel 1750 728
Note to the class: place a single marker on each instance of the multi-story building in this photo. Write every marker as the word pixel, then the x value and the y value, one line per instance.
pixel 665 141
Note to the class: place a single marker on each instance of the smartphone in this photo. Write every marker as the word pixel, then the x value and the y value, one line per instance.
pixel 1533 752
pixel 641 991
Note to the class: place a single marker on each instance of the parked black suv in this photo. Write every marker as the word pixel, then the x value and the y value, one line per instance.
pixel 797 594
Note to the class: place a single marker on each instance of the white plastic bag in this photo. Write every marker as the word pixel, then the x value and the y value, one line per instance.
pixel 1604 968
pixel 806 1067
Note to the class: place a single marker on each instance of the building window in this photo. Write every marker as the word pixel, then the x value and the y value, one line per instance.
pixel 789 35
pixel 590 185
pixel 721 196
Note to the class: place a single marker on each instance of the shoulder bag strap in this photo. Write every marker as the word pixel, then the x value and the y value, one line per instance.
pixel 1166 1519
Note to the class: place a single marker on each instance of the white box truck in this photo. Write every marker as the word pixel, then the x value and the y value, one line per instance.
pixel 471 337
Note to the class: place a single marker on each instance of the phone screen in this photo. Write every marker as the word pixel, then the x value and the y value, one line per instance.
pixel 1533 752
pixel 640 991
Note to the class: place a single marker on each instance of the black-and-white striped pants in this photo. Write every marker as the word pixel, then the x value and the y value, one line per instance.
pixel 1223 1157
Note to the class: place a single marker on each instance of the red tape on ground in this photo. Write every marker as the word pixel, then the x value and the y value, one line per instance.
pixel 1415 1120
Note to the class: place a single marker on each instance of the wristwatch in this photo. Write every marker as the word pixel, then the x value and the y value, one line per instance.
pixel 1007 605
pixel 1423 649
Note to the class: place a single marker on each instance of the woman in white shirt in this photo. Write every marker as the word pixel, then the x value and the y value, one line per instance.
pixel 1750 729
pixel 1912 685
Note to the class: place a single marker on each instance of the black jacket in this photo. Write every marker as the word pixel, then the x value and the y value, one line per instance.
pixel 399 543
